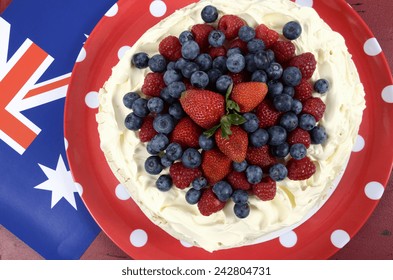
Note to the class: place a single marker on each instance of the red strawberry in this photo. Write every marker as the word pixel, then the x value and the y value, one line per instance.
pixel 230 25
pixel 267 114
pixel 237 43
pixel 201 34
pixel 304 90
pixel 314 106
pixel 170 48
pixel 267 35
pixel 235 146
pixel 147 131
pixel 182 176
pixel 306 63
pixel 238 180
pixel 266 189
pixel 260 156
pixel 204 107
pixel 217 51
pixel 238 78
pixel 248 95
pixel 299 136
pixel 283 51
pixel 209 203
pixel 153 84
pixel 215 165
pixel 300 169
pixel 186 133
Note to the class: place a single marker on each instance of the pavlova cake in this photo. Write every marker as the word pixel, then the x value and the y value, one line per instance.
pixel 230 120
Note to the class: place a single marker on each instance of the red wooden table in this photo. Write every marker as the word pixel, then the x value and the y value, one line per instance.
pixel 373 241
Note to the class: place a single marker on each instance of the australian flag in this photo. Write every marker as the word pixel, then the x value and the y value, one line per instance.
pixel 39 202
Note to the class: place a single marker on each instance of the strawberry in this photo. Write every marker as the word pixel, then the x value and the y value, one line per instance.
pixel 260 156
pixel 248 95
pixel 215 165
pixel 201 34
pixel 182 176
pixel 265 190
pixel 314 106
pixel 230 25
pixel 299 136
pixel 147 131
pixel 267 114
pixel 186 133
pixel 306 63
pixel 300 169
pixel 240 77
pixel 267 35
pixel 170 48
pixel 238 180
pixel 153 84
pixel 235 146
pixel 304 90
pixel 283 51
pixel 204 107
pixel 217 51
pixel 209 203
pixel 237 43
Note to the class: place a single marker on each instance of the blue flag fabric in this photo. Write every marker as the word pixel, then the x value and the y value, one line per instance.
pixel 39 202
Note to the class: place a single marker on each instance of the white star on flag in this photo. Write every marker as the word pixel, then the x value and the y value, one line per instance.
pixel 60 183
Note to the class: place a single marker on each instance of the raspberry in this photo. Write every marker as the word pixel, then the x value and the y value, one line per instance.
pixel 230 25
pixel 283 50
pixel 201 35
pixel 260 156
pixel 237 43
pixel 265 190
pixel 238 180
pixel 170 48
pixel 147 131
pixel 217 51
pixel 314 106
pixel 299 136
pixel 267 114
pixel 267 35
pixel 304 90
pixel 153 84
pixel 306 63
pixel 182 176
pixel 300 169
pixel 238 78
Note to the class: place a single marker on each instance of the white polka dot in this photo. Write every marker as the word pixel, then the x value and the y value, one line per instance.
pixel 91 100
pixel 372 47
pixel 158 8
pixel 65 144
pixel 359 144
pixel 112 11
pixel 79 188
pixel 387 94
pixel 374 190
pixel 186 244
pixel 122 51
pixel 121 192
pixel 339 238
pixel 288 239
pixel 138 238
pixel 81 55
pixel 305 3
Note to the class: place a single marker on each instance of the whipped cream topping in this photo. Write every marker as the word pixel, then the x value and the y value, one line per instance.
pixel 294 199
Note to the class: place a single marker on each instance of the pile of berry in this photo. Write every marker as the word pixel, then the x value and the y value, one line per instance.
pixel 229 110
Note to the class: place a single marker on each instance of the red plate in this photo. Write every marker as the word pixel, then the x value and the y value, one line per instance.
pixel 319 237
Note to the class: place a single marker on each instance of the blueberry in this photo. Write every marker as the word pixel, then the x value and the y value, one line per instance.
pixel 278 172
pixel 155 105
pixel 191 158
pixel 220 63
pixel 206 143
pixel 174 151
pixel 297 106
pixel 140 60
pixel 246 33
pixel 282 102
pixel 252 122
pixel 164 94
pixel 165 161
pixel 236 63
pixel 292 76
pixel 199 183
pixel 292 30
pixel 259 138
pixel 270 55
pixel 159 142
pixel 241 210
pixel 307 122
pixel 275 88
pixel 185 36
pixel 153 165
pixel 204 61
pixel 171 76
pixel 223 190
pixel 175 89
pixel 289 90
pixel 274 71
pixel 321 86
pixel 171 65
pixel 280 151
pixel 254 174
pixel 318 135
pixel 129 98
pixel 139 107
pixel 150 149
pixel 289 121
pixel 298 151
pixel 133 122
pixel 188 69
pixel 193 196
pixel 259 76
pixel 213 74
pixel 240 166
pixel 163 123
pixel 176 110
pixel 216 38
pixel 190 50
pixel 261 60
pixel 180 63
pixel 232 51
pixel 164 183
pixel 277 135
pixel 240 196
pixel 157 63
pixel 255 45
pixel 223 83
pixel 199 79
pixel 250 63
pixel 209 14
